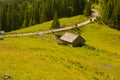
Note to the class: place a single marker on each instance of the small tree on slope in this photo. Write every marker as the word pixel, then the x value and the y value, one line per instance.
pixel 55 23
pixel 87 10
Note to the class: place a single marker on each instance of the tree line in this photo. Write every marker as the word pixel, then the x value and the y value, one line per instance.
pixel 16 14
pixel 111 13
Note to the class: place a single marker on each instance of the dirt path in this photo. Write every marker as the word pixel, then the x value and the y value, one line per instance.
pixel 95 13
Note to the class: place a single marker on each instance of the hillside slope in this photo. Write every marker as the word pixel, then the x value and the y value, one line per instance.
pixel 64 22
pixel 102 37
pixel 33 58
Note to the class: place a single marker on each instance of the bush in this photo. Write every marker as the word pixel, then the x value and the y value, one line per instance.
pixel 55 23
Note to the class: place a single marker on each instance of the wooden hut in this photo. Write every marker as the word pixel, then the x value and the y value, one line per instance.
pixel 72 39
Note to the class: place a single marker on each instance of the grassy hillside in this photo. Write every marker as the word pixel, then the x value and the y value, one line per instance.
pixel 27 58
pixel 102 37
pixel 33 58
pixel 47 25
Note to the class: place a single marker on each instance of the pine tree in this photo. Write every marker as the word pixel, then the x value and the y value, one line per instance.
pixel 87 10
pixel 43 16
pixel 24 24
pixel 94 1
pixel 55 23
pixel 23 13
pixel 30 22
pixel 111 13
pixel 0 19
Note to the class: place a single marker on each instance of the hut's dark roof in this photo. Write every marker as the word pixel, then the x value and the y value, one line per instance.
pixel 69 37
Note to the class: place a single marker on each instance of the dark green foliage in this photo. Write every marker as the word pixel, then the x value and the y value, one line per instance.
pixel 31 22
pixel 87 10
pixel 94 1
pixel 111 13
pixel 55 23
pixel 24 24
pixel 16 14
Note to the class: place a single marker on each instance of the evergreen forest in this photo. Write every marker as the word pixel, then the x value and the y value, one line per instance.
pixel 111 13
pixel 16 14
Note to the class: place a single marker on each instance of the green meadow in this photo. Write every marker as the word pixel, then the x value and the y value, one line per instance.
pixel 47 25
pixel 102 37
pixel 35 58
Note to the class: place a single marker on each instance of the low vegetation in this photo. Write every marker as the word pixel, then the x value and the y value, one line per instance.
pixel 102 37
pixel 35 58
pixel 40 57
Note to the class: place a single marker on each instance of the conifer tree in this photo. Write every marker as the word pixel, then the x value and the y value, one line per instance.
pixel 87 10
pixel 16 14
pixel 30 22
pixel 0 20
pixel 94 1
pixel 43 16
pixel 24 24
pixel 55 23
pixel 111 13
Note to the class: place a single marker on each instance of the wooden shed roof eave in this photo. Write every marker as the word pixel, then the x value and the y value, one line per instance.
pixel 68 37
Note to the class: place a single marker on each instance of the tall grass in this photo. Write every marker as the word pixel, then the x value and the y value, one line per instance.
pixel 102 37
pixel 35 58
pixel 32 58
